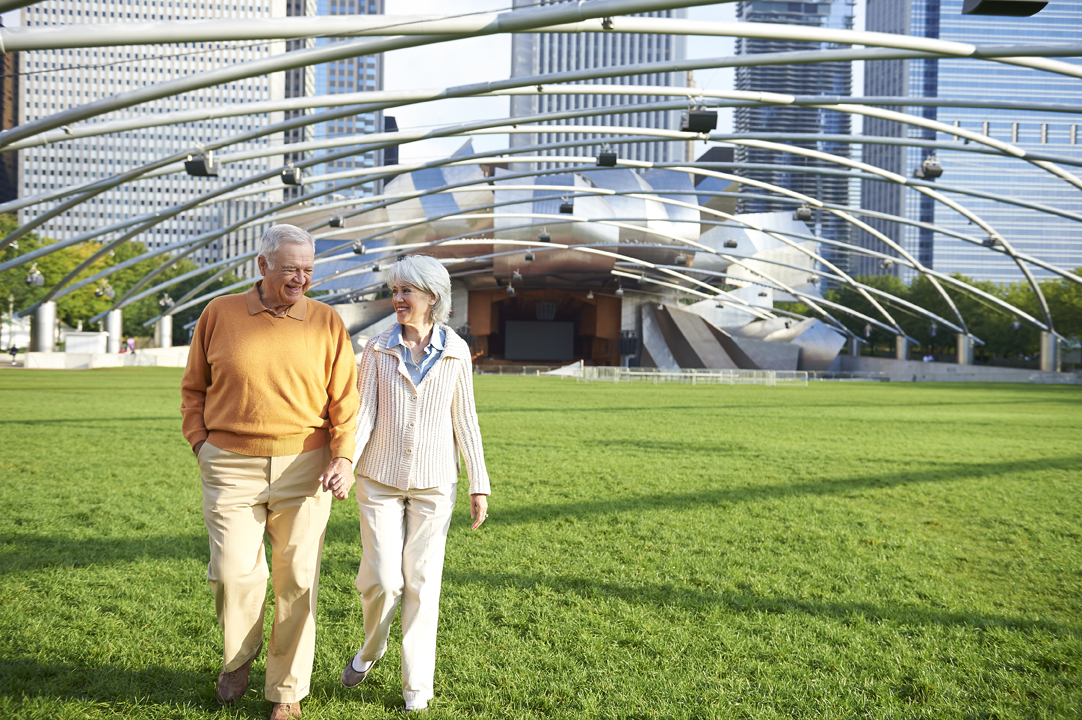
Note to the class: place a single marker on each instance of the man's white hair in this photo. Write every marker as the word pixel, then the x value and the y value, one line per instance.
pixel 276 235
pixel 426 273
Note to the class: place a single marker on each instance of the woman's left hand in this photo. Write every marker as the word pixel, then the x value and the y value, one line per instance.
pixel 478 510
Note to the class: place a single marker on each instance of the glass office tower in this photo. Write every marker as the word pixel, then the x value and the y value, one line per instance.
pixel 1049 237
pixel 833 79
pixel 544 53
pixel 58 79
pixel 359 74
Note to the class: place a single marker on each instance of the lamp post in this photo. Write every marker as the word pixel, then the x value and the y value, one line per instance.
pixel 11 319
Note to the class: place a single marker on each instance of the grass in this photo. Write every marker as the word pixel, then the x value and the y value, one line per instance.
pixel 836 551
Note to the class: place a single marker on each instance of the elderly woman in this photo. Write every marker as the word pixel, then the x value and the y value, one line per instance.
pixel 416 415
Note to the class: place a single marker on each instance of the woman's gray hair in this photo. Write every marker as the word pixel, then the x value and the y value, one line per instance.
pixel 426 273
pixel 278 234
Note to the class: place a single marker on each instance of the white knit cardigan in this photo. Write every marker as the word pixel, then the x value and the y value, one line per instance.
pixel 410 436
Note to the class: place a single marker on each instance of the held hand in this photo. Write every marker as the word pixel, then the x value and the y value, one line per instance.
pixel 198 447
pixel 478 510
pixel 338 478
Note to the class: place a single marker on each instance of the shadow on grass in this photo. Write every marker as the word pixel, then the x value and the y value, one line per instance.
pixel 19 551
pixel 878 404
pixel 32 551
pixel 696 601
pixel 725 496
pixel 97 423
pixel 167 692
pixel 169 688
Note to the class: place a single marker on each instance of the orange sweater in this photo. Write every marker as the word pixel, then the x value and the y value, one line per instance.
pixel 260 385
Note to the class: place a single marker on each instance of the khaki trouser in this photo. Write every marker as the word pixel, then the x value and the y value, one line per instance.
pixel 243 497
pixel 404 534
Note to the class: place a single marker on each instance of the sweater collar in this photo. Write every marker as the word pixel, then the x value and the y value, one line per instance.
pixel 453 345
pixel 256 306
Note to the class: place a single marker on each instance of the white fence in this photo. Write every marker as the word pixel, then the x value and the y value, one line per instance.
pixel 513 369
pixel 769 378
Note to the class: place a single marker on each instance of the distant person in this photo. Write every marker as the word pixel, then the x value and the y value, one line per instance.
pixel 269 404
pixel 417 413
pixel 131 345
pixel 13 351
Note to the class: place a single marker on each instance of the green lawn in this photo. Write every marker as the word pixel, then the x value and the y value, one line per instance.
pixel 843 550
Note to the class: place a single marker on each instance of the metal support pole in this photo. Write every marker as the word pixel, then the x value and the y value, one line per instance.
pixel 901 347
pixel 163 332
pixel 43 328
pixel 1049 352
pixel 965 349
pixel 114 325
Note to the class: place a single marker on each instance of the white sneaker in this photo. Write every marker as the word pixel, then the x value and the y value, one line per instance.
pixel 416 705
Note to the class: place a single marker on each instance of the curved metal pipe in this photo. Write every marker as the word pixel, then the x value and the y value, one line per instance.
pixel 469 213
pixel 933 277
pixel 773 99
pixel 491 125
pixel 962 286
pixel 969 214
pixel 724 98
pixel 228 29
pixel 336 51
pixel 512 21
pixel 686 169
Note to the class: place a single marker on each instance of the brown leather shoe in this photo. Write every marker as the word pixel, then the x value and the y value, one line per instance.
pixel 285 711
pixel 233 684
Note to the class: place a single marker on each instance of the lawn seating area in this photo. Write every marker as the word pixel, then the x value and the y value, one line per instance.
pixel 841 550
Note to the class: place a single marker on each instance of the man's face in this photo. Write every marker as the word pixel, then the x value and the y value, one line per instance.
pixel 288 280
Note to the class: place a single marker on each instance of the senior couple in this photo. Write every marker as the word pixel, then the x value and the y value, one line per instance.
pixel 278 414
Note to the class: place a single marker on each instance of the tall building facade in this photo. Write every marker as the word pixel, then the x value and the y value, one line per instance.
pixel 545 53
pixel 810 79
pixel 9 118
pixel 359 74
pixel 1049 237
pixel 52 80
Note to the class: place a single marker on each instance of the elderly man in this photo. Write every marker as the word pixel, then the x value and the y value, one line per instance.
pixel 269 400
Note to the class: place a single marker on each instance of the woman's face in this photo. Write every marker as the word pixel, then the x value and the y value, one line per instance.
pixel 412 306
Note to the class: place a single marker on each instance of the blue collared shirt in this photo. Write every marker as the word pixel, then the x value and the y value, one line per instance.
pixel 433 352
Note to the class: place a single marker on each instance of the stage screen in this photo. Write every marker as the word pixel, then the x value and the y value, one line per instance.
pixel 539 341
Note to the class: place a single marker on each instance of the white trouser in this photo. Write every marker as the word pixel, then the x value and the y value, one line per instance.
pixel 404 534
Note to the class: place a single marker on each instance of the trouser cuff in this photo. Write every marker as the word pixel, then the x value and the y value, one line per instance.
pixel 286 696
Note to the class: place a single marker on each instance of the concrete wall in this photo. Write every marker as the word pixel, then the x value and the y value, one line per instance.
pixel 906 370
pixel 153 357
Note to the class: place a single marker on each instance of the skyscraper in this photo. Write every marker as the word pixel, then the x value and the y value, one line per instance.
pixel 809 79
pixel 359 74
pixel 1050 237
pixel 9 117
pixel 544 53
pixel 53 80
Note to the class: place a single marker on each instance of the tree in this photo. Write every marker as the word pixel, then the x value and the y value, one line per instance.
pixel 81 305
pixel 849 297
pixel 71 309
pixel 1065 302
